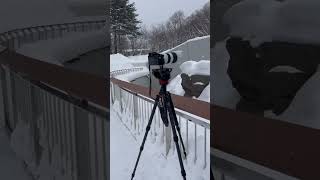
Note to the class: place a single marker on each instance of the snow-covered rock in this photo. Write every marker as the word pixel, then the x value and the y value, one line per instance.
pixel 191 68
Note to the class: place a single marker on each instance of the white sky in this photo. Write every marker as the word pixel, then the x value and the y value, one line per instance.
pixel 158 11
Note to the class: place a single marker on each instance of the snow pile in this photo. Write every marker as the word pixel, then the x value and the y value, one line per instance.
pixel 264 21
pixel 196 68
pixel 175 87
pixel 119 62
pixel 224 93
pixel 139 60
pixel 191 68
pixel 57 51
pixel 22 143
pixel 153 164
pixel 11 167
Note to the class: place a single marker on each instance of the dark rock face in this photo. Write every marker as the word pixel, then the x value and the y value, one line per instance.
pixel 194 85
pixel 249 69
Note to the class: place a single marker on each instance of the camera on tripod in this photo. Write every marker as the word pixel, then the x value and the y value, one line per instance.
pixel 163 74
pixel 164 102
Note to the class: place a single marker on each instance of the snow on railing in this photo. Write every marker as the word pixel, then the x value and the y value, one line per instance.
pixel 124 71
pixel 195 130
pixel 67 134
pixel 15 38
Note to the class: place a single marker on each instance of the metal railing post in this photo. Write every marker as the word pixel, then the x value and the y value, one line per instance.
pixel 135 111
pixel 120 99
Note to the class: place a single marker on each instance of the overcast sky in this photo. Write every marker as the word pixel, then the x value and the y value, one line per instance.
pixel 158 11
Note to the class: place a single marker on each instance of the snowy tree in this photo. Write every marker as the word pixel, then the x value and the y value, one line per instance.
pixel 124 21
pixel 179 28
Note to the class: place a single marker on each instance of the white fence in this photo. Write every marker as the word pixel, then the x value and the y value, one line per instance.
pixel 15 38
pixel 74 136
pixel 124 71
pixel 195 131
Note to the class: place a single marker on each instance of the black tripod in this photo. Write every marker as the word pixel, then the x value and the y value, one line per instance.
pixel 165 104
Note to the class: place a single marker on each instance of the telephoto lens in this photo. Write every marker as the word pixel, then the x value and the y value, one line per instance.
pixel 163 58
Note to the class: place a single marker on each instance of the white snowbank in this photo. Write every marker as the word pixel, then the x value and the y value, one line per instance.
pixel 191 68
pixel 264 21
pixel 190 40
pixel 134 75
pixel 60 50
pixel 119 62
pixel 140 59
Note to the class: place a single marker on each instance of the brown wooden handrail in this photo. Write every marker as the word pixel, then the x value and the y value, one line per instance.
pixel 193 106
pixel 77 84
pixel 282 146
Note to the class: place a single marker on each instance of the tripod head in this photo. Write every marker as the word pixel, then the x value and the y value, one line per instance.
pixel 163 74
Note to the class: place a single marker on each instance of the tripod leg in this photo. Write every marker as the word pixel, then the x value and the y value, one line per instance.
pixel 175 137
pixel 176 123
pixel 146 134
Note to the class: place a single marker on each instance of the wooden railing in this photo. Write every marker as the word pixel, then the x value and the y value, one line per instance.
pixel 193 106
pixel 288 148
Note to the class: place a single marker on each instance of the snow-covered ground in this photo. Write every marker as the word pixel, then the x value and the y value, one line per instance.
pixel 153 164
pixel 71 45
pixel 120 62
pixel 11 167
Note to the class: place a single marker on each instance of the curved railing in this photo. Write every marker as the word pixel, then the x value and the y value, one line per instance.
pixel 15 38
pixel 64 108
